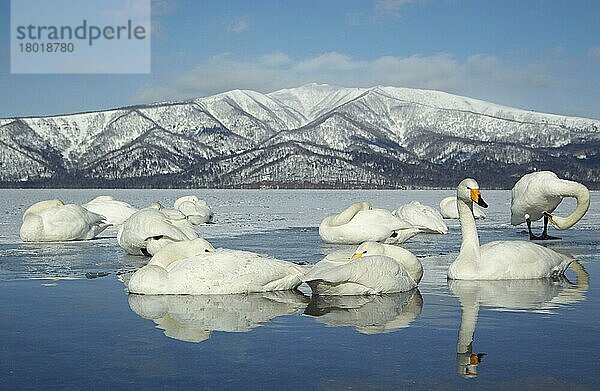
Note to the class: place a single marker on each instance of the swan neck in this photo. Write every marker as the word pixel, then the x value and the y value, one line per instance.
pixel 469 248
pixel 582 196
pixel 347 215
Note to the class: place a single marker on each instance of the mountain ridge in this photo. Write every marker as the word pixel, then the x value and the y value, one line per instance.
pixel 432 137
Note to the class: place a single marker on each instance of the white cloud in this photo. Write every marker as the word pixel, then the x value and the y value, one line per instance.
pixel 594 53
pixel 481 76
pixel 274 59
pixel 390 6
pixel 238 25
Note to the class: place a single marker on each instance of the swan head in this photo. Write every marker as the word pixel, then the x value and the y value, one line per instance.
pixel 155 205
pixel 190 198
pixel 368 248
pixel 468 191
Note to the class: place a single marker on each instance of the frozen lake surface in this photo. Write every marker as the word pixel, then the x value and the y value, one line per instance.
pixel 60 330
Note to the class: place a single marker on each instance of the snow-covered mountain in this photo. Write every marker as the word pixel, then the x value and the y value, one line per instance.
pixel 313 135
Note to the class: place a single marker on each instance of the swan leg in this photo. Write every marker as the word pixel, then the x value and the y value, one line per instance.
pixel 531 235
pixel 545 235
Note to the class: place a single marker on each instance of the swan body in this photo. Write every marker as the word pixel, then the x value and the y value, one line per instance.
pixel 424 218
pixel 115 212
pixel 449 209
pixel 537 195
pixel 499 260
pixel 360 223
pixel 196 210
pixel 148 230
pixel 177 218
pixel 374 268
pixel 221 271
pixel 53 221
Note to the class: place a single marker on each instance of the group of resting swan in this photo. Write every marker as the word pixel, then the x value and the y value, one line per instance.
pixel 183 263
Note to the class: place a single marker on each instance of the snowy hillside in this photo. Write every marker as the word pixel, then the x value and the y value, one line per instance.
pixel 313 135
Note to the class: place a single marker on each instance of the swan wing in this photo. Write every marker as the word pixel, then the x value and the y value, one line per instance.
pixel 501 260
pixel 377 273
pixel 233 271
pixel 534 194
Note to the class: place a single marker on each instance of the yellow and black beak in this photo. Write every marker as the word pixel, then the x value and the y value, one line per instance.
pixel 476 197
pixel 357 255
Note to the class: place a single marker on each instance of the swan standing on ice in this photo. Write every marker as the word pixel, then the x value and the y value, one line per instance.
pixel 449 209
pixel 53 221
pixel 115 212
pixel 148 230
pixel 424 218
pixel 499 260
pixel 196 210
pixel 360 223
pixel 537 194
pixel 373 269
pixel 172 271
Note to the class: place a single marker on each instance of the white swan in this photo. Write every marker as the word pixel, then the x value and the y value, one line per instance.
pixel 148 230
pixel 449 209
pixel 173 272
pixel 537 194
pixel 537 295
pixel 368 314
pixel 193 318
pixel 177 218
pixel 53 221
pixel 423 217
pixel 373 269
pixel 499 260
pixel 360 223
pixel 196 210
pixel 115 212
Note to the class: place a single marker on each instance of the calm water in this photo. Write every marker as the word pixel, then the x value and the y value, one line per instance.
pixel 60 330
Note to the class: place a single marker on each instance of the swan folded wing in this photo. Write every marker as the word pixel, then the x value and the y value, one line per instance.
pixel 520 260
pixel 534 194
pixel 71 222
pixel 115 212
pixel 377 273
pixel 232 271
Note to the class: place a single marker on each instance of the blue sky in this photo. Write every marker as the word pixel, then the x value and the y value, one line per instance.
pixel 539 55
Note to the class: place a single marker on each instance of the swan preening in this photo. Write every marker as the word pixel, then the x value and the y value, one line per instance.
pixel 537 195
pixel 499 260
pixel 424 218
pixel 360 223
pixel 53 221
pixel 449 209
pixel 196 268
pixel 373 269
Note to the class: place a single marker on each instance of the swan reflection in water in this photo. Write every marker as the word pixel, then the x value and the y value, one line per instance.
pixel 537 296
pixel 368 314
pixel 192 318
